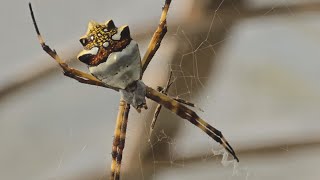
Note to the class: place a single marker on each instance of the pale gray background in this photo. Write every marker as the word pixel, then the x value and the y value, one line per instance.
pixel 264 95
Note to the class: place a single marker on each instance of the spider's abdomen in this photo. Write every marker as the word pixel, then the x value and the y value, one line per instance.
pixel 121 68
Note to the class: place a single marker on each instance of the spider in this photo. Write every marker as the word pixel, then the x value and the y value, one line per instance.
pixel 113 59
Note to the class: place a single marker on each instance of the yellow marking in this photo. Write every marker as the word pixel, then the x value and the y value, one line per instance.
pixel 113 166
pixel 175 108
pixel 117 133
pixel 91 25
pixel 82 74
pixel 96 30
pixel 204 123
pixel 123 135
pixel 40 39
pixel 203 128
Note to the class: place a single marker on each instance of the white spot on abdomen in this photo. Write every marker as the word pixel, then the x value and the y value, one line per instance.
pixel 117 36
pixel 93 51
pixel 105 44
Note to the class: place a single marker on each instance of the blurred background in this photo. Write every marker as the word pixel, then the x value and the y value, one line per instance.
pixel 251 65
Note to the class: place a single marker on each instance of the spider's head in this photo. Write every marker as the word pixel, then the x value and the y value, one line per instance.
pixel 101 40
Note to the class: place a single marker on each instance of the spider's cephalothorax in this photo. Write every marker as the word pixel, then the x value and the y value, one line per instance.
pixel 114 58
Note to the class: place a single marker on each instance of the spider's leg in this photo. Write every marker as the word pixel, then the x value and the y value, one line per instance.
pixel 122 141
pixel 116 138
pixel 158 109
pixel 165 92
pixel 155 117
pixel 156 38
pixel 70 72
pixel 191 116
pixel 182 101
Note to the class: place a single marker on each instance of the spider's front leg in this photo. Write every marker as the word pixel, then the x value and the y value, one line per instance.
pixel 70 72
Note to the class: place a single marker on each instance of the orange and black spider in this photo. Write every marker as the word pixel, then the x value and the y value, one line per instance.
pixel 114 62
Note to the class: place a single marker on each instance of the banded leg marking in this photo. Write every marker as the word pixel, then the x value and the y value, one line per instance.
pixel 191 116
pixel 122 141
pixel 182 101
pixel 116 138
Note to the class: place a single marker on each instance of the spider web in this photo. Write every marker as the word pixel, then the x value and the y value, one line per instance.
pixel 177 149
pixel 194 58
pixel 66 132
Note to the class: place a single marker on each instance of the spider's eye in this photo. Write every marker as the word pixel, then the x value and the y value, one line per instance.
pixel 84 41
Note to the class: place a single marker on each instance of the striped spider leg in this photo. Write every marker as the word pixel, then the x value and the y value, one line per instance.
pixel 117 133
pixel 119 139
pixel 185 102
pixel 186 113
